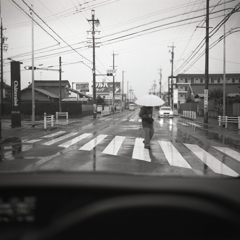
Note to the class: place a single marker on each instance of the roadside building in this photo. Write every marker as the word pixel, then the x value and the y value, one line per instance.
pixel 195 84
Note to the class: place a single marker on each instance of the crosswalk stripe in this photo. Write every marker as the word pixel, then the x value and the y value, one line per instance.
pixel 33 141
pixel 229 152
pixel 139 152
pixel 184 124
pixel 54 134
pixel 94 142
pixel 211 161
pixel 59 139
pixel 172 155
pixel 74 140
pixel 194 124
pixel 114 146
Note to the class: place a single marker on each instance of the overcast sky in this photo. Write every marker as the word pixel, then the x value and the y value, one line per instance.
pixel 139 32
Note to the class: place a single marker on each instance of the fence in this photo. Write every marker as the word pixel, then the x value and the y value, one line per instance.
pixel 190 114
pixel 227 119
pixel 61 114
pixel 48 119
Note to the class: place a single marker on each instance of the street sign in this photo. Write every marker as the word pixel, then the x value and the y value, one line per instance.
pixel 111 72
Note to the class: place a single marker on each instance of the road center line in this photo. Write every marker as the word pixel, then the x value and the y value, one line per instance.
pixel 114 146
pixel 172 155
pixel 216 165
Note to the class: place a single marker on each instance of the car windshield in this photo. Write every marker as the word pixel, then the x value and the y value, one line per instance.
pixel 165 108
pixel 83 83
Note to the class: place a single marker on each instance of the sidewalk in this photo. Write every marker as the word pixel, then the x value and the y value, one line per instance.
pixel 231 130
pixel 27 130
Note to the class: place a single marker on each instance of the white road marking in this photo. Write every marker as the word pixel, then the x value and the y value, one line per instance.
pixel 33 141
pixel 194 124
pixel 172 155
pixel 74 140
pixel 114 146
pixel 139 152
pixel 59 139
pixel 93 143
pixel 139 120
pixel 210 161
pixel 184 124
pixel 54 134
pixel 131 120
pixel 229 152
pixel 124 119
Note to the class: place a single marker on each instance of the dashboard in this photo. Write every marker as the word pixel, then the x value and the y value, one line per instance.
pixel 57 205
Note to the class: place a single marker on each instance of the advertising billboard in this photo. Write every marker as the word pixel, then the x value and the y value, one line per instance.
pixel 82 86
pixel 107 87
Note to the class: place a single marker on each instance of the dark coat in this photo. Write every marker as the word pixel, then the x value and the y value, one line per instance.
pixel 146 115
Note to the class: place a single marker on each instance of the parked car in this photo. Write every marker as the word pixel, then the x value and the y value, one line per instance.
pixel 165 112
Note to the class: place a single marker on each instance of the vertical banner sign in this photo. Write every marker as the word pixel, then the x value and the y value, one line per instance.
pixel 205 100
pixel 175 96
pixel 16 94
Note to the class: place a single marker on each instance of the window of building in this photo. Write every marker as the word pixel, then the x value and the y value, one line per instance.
pixel 186 80
pixel 233 80
pixel 201 80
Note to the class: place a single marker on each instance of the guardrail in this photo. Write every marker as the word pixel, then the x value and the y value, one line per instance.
pixel 227 119
pixel 189 114
pixel 48 119
pixel 61 114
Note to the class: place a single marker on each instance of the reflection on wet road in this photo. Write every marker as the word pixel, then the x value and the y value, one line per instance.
pixel 115 143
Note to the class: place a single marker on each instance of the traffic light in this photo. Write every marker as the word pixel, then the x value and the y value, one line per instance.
pixel 30 68
pixel 109 74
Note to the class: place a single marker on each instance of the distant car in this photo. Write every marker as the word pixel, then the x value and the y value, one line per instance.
pixel 132 107
pixel 165 112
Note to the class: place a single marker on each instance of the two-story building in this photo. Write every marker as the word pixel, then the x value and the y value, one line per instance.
pixel 197 83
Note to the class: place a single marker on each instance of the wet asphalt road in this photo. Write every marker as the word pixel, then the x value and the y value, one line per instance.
pixel 114 144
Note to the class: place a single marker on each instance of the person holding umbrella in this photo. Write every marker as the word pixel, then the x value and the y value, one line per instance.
pixel 146 114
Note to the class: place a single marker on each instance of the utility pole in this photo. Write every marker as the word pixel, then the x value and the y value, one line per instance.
pixel 127 93
pixel 60 84
pixel 206 64
pixel 113 66
pixel 33 88
pixel 171 83
pixel 94 22
pixel 122 88
pixel 160 82
pixel 224 67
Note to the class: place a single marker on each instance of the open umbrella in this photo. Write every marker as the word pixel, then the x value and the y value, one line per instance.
pixel 149 101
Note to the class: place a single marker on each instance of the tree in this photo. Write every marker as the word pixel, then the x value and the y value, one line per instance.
pixel 100 100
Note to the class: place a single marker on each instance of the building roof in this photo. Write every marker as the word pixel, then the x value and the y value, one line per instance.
pixel 50 83
pixel 42 91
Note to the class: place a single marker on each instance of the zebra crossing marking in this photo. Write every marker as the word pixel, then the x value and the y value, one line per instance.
pixel 210 161
pixel 54 134
pixel 172 155
pixel 114 146
pixel 139 152
pixel 229 152
pixel 32 141
pixel 59 139
pixel 74 140
pixel 182 123
pixel 93 143
pixel 194 124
